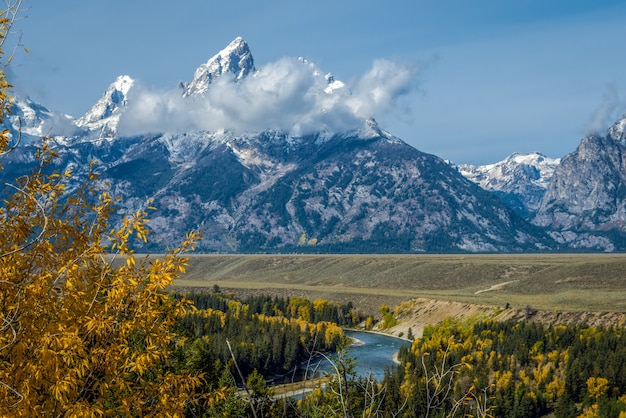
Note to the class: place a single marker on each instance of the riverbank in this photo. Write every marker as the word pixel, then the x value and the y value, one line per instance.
pixel 373 351
pixel 416 314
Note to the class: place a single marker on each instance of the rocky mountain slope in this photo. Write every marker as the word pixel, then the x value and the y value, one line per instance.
pixel 585 204
pixel 358 190
pixel 520 180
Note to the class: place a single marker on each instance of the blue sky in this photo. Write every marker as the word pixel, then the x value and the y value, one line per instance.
pixel 493 77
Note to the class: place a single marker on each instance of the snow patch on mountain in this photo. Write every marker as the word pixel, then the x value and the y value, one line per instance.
pixel 235 60
pixel 291 95
pixel 104 116
pixel 185 146
pixel 618 130
pixel 520 179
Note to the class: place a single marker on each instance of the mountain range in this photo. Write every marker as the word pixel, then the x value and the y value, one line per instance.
pixel 520 180
pixel 357 190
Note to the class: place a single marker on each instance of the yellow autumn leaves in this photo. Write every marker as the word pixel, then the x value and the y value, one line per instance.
pixel 82 334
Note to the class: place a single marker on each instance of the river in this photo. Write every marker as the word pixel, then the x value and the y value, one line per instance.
pixel 373 353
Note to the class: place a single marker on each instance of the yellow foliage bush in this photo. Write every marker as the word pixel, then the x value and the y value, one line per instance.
pixel 85 328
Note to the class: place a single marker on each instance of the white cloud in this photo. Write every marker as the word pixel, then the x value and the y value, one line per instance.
pixel 288 94
pixel 606 113
pixel 377 91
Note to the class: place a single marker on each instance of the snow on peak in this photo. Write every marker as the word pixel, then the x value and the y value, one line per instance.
pixel 105 114
pixel 236 59
pixel 371 129
pixel 535 159
pixel 123 84
pixel 32 121
pixel 534 167
pixel 28 115
pixel 525 176
pixel 618 130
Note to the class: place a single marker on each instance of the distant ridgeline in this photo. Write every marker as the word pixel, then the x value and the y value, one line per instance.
pixel 358 189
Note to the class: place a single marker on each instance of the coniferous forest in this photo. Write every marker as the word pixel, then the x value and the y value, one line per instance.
pixel 270 335
pixel 456 369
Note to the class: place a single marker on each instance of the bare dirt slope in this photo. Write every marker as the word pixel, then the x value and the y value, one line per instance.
pixel 418 313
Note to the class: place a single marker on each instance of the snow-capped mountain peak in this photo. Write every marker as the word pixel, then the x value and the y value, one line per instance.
pixel 537 167
pixel 353 190
pixel 618 130
pixel 32 116
pixel 29 120
pixel 236 60
pixel 520 180
pixel 104 116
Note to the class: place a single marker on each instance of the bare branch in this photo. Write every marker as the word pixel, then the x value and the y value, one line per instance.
pixel 13 9
pixel 12 390
pixel 339 380
pixel 43 228
pixel 8 325
pixel 242 379
pixel 442 381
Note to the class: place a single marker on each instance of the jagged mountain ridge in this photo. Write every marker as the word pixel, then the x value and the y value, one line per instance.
pixel 585 204
pixel 235 60
pixel 104 115
pixel 356 191
pixel 520 180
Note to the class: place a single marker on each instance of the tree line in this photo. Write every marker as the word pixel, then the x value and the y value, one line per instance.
pixel 512 370
pixel 270 335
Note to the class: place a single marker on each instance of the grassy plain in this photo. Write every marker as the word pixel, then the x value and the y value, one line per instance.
pixel 565 282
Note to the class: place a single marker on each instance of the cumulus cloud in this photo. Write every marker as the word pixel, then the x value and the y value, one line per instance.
pixel 378 90
pixel 290 94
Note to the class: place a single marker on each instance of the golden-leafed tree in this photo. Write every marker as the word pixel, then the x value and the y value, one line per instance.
pixel 85 326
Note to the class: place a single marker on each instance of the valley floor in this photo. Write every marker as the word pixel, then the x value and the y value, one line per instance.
pixel 551 283
pixel 426 289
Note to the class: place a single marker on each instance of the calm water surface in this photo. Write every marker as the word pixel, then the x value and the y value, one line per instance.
pixel 373 353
